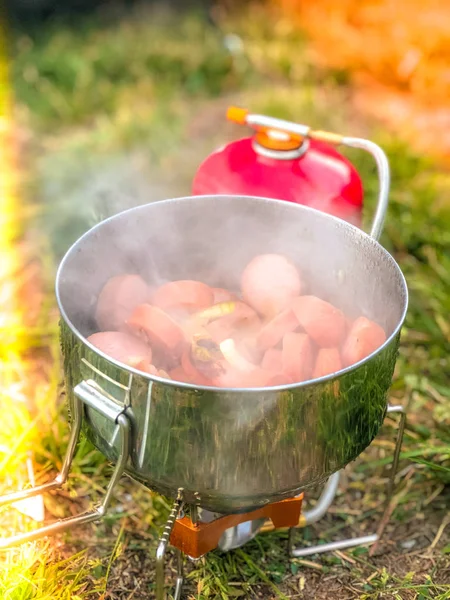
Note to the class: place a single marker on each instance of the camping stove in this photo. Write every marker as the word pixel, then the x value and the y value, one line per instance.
pixel 194 532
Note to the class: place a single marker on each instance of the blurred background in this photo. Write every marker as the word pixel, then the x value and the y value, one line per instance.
pixel 109 104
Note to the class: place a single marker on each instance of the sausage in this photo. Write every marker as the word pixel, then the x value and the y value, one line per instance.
pixel 194 375
pixel 324 323
pixel 241 319
pixel 297 356
pixel 247 346
pixel 279 379
pixel 272 360
pixel 235 311
pixel 235 378
pixel 269 283
pixel 156 326
pixel 364 337
pixel 220 329
pixel 121 346
pixel 328 361
pixel 179 374
pixel 274 330
pixel 164 374
pixel 144 365
pixel 185 294
pixel 117 300
pixel 163 359
pixel 221 295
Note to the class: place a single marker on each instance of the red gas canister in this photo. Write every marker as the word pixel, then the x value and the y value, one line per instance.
pixel 284 161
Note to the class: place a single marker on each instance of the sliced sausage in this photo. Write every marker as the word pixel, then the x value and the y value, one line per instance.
pixel 147 367
pixel 124 347
pixel 220 329
pixel 242 320
pixel 179 374
pixel 297 356
pixel 272 360
pixel 221 295
pixel 279 379
pixel 364 337
pixel 117 300
pixel 328 361
pixel 323 322
pixel 184 294
pixel 156 326
pixel 236 378
pixel 194 374
pixel 274 330
pixel 164 374
pixel 269 283
pixel 144 365
pixel 248 347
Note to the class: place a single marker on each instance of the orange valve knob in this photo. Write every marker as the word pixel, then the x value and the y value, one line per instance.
pixel 237 115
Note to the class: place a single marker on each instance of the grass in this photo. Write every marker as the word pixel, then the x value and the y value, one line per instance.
pixel 32 575
pixel 108 125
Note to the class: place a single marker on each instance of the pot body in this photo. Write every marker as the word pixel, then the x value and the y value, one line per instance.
pixel 233 450
pixel 320 177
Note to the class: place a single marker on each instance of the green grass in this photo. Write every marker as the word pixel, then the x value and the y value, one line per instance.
pixel 94 95
pixel 140 60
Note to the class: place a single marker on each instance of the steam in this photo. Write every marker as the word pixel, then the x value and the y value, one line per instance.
pixel 80 191
pixel 213 239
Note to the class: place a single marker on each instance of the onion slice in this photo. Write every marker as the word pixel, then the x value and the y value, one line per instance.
pixel 234 357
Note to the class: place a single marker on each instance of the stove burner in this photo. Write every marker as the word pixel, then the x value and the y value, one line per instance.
pixel 197 539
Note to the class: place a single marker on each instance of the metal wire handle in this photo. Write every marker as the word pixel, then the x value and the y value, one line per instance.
pixel 300 130
pixel 384 180
pixel 84 394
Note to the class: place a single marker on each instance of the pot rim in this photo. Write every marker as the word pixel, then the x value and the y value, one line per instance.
pixel 248 390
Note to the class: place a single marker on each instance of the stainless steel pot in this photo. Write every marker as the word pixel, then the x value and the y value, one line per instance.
pixel 230 450
pixel 226 450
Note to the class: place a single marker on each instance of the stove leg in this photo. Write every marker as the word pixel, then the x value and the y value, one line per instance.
pixel 327 497
pixel 315 514
pixel 393 472
pixel 180 575
pixel 331 547
pixel 161 553
pixel 397 450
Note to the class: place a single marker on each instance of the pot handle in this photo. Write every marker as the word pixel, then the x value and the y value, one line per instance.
pixel 89 394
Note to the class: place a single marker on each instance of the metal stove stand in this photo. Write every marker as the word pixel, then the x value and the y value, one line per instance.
pixel 231 538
